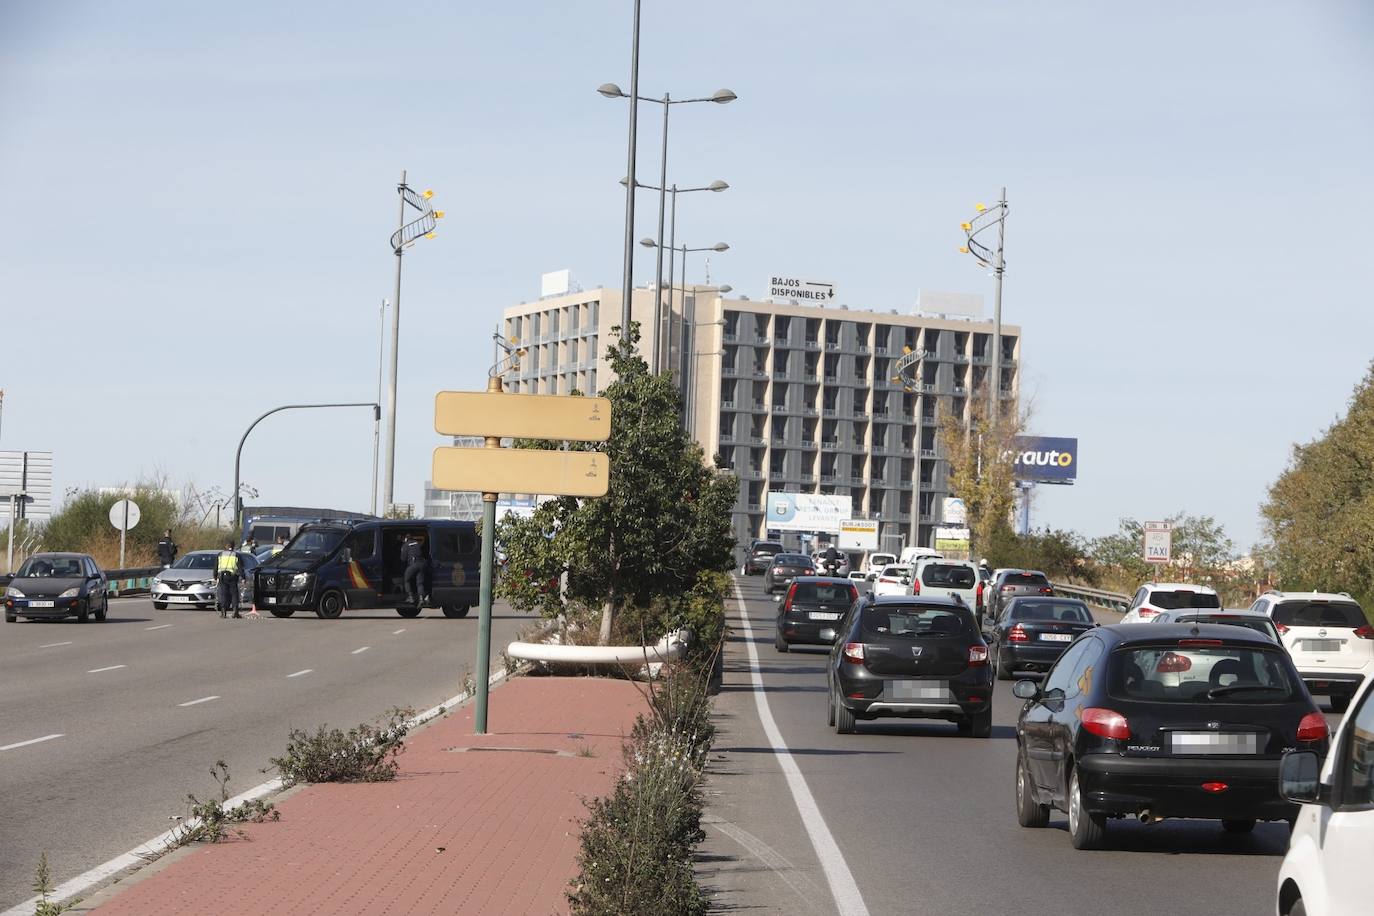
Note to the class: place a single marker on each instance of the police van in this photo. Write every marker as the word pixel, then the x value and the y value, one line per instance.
pixel 342 565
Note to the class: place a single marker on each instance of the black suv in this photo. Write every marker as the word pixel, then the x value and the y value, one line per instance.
pixel 910 657
pixel 760 554
pixel 813 605
pixel 1172 720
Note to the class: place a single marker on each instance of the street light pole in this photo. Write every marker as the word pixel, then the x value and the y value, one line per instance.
pixel 627 273
pixel 376 427
pixel 389 492
pixel 983 220
pixel 658 266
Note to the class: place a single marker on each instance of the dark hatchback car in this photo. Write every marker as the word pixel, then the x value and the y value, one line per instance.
pixel 760 554
pixel 1031 633
pixel 1173 720
pixel 51 586
pixel 1014 583
pixel 910 657
pixel 813 605
pixel 784 568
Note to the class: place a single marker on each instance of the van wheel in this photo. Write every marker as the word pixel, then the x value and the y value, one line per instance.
pixel 455 611
pixel 281 611
pixel 331 605
pixel 411 611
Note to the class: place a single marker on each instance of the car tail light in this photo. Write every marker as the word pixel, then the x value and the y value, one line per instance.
pixel 980 594
pixel 1106 723
pixel 809 572
pixel 1365 632
pixel 854 652
pixel 1215 787
pixel 1046 590
pixel 977 655
pixel 1312 727
pixel 787 602
pixel 1146 612
pixel 1282 628
pixel 1173 663
pixel 1017 634
pixel 915 587
pixel 1199 642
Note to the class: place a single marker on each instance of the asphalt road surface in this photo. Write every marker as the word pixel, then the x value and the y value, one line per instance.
pixel 914 819
pixel 135 711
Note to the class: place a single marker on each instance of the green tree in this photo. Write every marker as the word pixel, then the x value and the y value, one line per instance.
pixel 1319 515
pixel 658 539
pixel 981 464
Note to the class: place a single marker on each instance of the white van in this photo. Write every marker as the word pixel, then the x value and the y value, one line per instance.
pixel 955 578
pixel 913 555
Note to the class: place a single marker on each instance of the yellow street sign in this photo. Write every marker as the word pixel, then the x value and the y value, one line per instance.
pixel 521 416
pixel 521 470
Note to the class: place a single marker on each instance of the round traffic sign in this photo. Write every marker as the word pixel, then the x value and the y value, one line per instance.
pixel 118 518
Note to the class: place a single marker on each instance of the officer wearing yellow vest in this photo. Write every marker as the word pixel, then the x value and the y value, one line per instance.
pixel 227 572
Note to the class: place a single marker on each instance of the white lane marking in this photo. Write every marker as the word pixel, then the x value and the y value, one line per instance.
pixel 110 668
pixel 201 700
pixel 360 651
pixel 811 894
pixel 302 671
pixel 398 632
pixel 53 645
pixel 10 747
pixel 848 900
pixel 161 626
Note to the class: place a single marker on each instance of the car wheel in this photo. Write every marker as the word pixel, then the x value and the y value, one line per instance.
pixel 1028 812
pixel 331 605
pixel 1086 831
pixel 10 618
pixel 844 718
pixel 159 605
pixel 1004 672
pixel 1340 703
pixel 830 708
pixel 1298 908
pixel 980 724
pixel 411 611
pixel 455 611
pixel 84 614
pixel 1244 825
pixel 100 614
pixel 778 642
pixel 281 611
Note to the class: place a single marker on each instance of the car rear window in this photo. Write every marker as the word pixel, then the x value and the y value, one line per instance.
pixel 1319 614
pixel 1172 601
pixel 1181 673
pixel 916 621
pixel 1071 611
pixel 896 572
pixel 1258 624
pixel 791 559
pixel 1026 579
pixel 881 559
pixel 768 547
pixel 824 593
pixel 948 575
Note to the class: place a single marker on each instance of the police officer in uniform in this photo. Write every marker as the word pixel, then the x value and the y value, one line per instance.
pixel 227 573
pixel 417 570
pixel 167 549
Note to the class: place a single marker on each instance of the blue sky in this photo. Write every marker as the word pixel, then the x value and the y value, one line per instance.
pixel 197 201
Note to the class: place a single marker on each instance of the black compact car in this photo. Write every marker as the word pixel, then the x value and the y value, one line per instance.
pixel 1014 583
pixel 784 568
pixel 760 554
pixel 1031 633
pixel 56 585
pixel 910 657
pixel 1173 720
pixel 813 605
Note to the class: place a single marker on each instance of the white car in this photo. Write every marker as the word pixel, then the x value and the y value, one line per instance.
pixel 952 578
pixel 893 580
pixel 1153 597
pixel 1323 873
pixel 876 563
pixel 1329 637
pixel 1252 620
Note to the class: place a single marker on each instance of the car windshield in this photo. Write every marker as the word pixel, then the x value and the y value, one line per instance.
pixel 196 561
pixel 1071 611
pixel 1173 600
pixel 1319 614
pixel 1193 673
pixel 948 575
pixel 1033 580
pixel 315 541
pixel 1258 624
pixel 824 593
pixel 50 568
pixel 915 621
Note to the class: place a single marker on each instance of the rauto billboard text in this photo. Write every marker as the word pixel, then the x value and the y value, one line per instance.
pixel 1045 459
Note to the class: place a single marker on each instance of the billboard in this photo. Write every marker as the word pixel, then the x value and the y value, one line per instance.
pixel 807 512
pixel 859 534
pixel 26 483
pixel 1046 459
pixel 954 512
pixel 951 540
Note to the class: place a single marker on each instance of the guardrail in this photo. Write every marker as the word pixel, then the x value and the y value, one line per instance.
pixel 135 581
pixel 1112 601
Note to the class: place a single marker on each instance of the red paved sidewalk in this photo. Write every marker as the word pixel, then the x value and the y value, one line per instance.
pixel 458 831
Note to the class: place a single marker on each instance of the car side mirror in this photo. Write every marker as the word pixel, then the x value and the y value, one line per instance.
pixel 1300 779
pixel 828 635
pixel 1025 690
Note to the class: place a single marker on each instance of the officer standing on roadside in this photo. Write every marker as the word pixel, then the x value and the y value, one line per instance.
pixel 167 549
pixel 227 572
pixel 417 570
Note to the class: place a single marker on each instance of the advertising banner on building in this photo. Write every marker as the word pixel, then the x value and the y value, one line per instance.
pixel 1046 459
pixel 859 534
pixel 807 512
pixel 954 512
pixel 951 540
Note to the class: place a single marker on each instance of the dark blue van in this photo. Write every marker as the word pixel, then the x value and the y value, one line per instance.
pixel 333 566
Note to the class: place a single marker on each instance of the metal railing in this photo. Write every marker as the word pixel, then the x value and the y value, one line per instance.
pixel 1112 601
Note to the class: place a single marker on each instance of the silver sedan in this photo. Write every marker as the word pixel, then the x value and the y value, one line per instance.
pixel 190 581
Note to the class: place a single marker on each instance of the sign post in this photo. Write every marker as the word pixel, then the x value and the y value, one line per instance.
pixel 1158 542
pixel 124 515
pixel 493 470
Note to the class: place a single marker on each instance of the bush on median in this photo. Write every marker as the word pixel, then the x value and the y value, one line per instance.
pixel 364 753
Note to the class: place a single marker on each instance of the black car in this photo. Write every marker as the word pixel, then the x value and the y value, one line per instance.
pixel 784 568
pixel 813 604
pixel 1031 633
pixel 1014 583
pixel 910 657
pixel 760 554
pixel 1174 720
pixel 51 586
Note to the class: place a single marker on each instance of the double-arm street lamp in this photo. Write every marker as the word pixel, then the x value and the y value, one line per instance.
pixel 984 220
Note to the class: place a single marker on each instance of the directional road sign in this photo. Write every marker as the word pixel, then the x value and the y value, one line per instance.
pixel 521 470
pixel 522 416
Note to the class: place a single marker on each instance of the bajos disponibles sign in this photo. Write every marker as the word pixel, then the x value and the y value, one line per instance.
pixel 801 290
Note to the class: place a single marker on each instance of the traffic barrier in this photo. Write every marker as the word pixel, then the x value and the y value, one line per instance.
pixel 1112 601
pixel 135 581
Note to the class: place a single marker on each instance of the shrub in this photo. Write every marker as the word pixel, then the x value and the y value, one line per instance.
pixel 210 820
pixel 42 886
pixel 364 753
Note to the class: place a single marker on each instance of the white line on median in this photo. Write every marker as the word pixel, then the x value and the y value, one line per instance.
pixel 848 900
pixel 201 700
pixel 302 671
pixel 360 651
pixel 53 645
pixel 161 626
pixel 110 668
pixel 10 747
pixel 398 632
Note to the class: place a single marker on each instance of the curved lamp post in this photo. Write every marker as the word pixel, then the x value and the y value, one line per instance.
pixel 982 251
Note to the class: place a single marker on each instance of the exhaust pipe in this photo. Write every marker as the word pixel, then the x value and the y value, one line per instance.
pixel 1147 818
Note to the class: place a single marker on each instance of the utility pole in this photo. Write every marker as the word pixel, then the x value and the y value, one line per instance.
pixel 388 493
pixel 627 274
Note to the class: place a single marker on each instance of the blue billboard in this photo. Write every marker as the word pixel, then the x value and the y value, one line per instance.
pixel 1046 459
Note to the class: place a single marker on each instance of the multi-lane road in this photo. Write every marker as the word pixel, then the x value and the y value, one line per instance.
pixel 105 727
pixel 907 817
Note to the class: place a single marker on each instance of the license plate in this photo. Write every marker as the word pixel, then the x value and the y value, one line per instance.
pixel 182 599
pixel 40 604
pixel 821 615
pixel 918 690
pixel 1057 637
pixel 1321 645
pixel 1214 743
pixel 271 600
